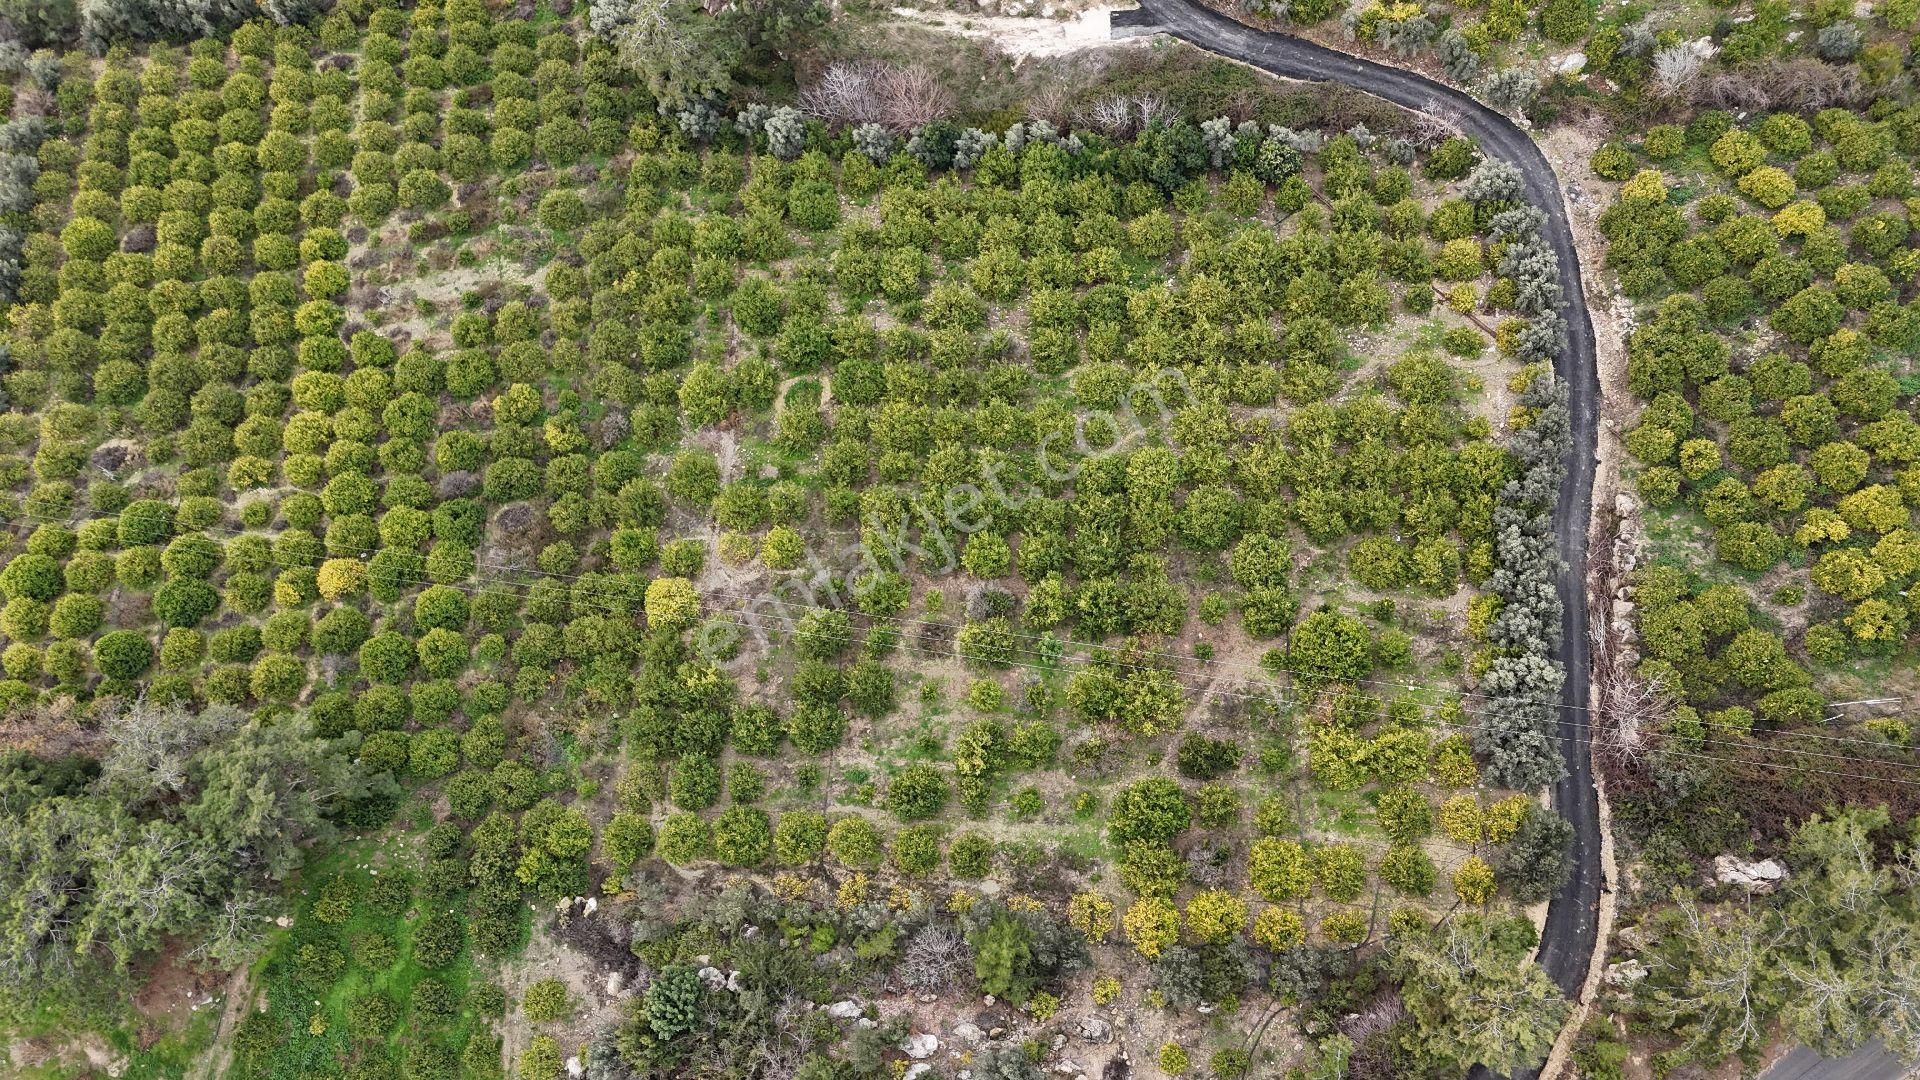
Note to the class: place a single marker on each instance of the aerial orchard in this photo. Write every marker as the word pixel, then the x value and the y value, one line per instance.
pixel 414 375
pixel 1797 448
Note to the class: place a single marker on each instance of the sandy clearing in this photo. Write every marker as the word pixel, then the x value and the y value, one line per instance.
pixel 1023 38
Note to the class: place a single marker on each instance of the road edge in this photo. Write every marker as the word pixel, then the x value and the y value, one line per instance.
pixel 1574 909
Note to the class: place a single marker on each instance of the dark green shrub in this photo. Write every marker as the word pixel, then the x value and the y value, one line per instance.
pixel 123 654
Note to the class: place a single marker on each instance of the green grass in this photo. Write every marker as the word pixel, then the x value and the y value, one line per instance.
pixel 1343 812
pixel 1088 843
pixel 175 1053
pixel 298 1011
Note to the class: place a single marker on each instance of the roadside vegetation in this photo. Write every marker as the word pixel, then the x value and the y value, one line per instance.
pixel 503 536
pixel 630 540
pixel 1759 230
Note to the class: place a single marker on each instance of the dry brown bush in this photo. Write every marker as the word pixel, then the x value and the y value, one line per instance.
pixel 911 97
pixel 842 94
pixel 1796 85
pixel 1111 116
pixel 896 96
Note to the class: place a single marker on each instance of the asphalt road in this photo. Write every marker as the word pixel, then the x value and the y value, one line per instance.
pixel 1868 1063
pixel 1572 916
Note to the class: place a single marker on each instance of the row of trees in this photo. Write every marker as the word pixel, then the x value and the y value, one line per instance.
pixel 96 26
pixel 351 422
pixel 1519 724
pixel 1819 56
pixel 327 404
pixel 1805 449
pixel 1472 995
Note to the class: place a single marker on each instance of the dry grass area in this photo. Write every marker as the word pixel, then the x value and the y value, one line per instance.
pixel 1002 69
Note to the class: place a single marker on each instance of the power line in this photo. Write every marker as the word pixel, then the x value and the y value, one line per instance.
pixel 1117 654
pixel 1656 750
pixel 1265 672
pixel 1284 698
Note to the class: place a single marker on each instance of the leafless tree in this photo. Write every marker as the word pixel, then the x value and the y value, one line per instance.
pixel 780 1058
pixel 1433 127
pixel 1373 1058
pixel 33 101
pixel 1207 863
pixel 49 729
pixel 1049 101
pixel 1796 85
pixel 1675 68
pixel 842 94
pixel 1111 116
pixel 1740 90
pixel 153 746
pixel 909 97
pixel 1153 109
pixel 1640 39
pixel 1810 86
pixel 934 960
pixel 1119 116
pixel 1625 705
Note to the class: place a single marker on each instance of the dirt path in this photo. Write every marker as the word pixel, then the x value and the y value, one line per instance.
pixel 219 1056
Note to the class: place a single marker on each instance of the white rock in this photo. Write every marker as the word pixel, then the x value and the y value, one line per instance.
pixel 576 1068
pixel 1094 1029
pixel 1625 974
pixel 592 905
pixel 734 982
pixel 969 1033
pixel 713 977
pixel 844 1010
pixel 866 1022
pixel 1571 64
pixel 1059 1041
pixel 1760 877
pixel 916 1070
pixel 1069 1068
pixel 1625 504
pixel 616 982
pixel 922 1046
pixel 283 922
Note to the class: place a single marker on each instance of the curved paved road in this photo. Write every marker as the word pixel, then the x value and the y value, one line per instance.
pixel 1572 916
pixel 1870 1062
